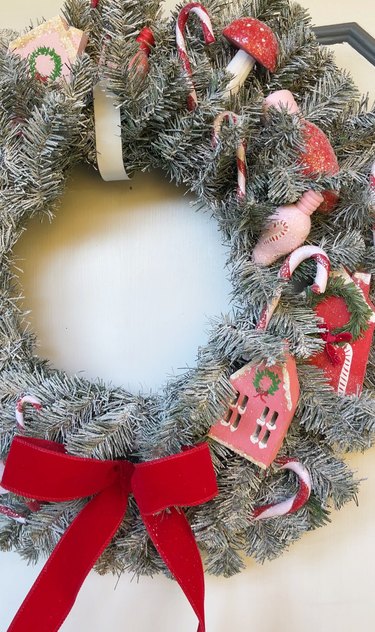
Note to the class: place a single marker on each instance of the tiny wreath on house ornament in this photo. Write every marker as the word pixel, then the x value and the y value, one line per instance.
pixel 240 104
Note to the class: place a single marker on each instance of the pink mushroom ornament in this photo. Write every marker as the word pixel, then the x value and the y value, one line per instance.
pixel 257 43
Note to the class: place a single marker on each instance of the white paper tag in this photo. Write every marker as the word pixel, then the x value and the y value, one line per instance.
pixel 108 134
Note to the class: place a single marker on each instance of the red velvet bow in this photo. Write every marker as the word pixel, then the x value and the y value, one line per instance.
pixel 330 339
pixel 42 470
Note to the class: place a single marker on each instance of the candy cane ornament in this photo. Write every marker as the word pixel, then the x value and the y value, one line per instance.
pixel 372 192
pixel 290 264
pixel 209 38
pixel 293 504
pixel 31 504
pixel 241 151
pixel 20 407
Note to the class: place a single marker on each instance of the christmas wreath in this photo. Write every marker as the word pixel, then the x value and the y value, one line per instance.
pixel 264 136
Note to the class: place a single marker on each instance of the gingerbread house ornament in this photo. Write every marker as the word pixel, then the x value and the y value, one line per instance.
pixel 50 48
pixel 259 416
pixel 346 374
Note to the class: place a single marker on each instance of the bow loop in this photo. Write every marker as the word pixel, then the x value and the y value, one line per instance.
pixel 41 469
pixel 174 481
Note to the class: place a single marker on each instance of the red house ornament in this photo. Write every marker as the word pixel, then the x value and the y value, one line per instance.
pixel 346 374
pixel 259 416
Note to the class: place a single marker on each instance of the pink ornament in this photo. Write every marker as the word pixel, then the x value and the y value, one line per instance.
pixel 317 157
pixel 209 38
pixel 346 369
pixel 293 504
pixel 286 229
pixel 51 49
pixel 241 151
pixel 281 99
pixel 258 418
pixel 256 43
pixel 140 62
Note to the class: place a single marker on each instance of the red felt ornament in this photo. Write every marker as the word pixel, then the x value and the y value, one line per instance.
pixel 344 360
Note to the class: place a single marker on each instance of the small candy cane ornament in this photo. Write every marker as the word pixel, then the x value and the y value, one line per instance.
pixel 10 513
pixel 294 503
pixel 290 264
pixel 20 407
pixel 372 190
pixel 209 38
pixel 33 505
pixel 241 151
pixel 2 466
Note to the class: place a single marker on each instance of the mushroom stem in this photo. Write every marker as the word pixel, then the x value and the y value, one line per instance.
pixel 240 67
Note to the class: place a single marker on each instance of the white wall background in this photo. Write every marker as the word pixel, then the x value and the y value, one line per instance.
pixel 116 256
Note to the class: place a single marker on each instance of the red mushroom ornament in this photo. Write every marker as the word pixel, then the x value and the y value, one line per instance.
pixel 317 156
pixel 256 43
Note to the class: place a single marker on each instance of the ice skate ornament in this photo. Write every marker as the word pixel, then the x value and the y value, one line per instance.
pixel 266 397
pixel 318 156
pixel 346 370
pixel 286 229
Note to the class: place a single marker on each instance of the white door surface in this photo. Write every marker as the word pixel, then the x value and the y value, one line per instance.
pixel 325 582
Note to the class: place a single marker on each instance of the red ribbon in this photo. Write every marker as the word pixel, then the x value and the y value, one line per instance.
pixel 330 339
pixel 42 470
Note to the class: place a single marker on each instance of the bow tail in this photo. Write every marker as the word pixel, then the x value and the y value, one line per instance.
pixel 54 592
pixel 175 542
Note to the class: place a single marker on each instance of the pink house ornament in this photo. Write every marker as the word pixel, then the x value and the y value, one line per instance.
pixel 51 48
pixel 259 416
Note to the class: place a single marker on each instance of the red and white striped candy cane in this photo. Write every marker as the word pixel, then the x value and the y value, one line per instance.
pixel 31 504
pixel 7 511
pixel 209 38
pixel 290 505
pixel 241 151
pixel 290 264
pixel 20 407
pixel 372 189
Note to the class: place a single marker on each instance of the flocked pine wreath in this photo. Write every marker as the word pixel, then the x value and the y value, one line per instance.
pixel 46 128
